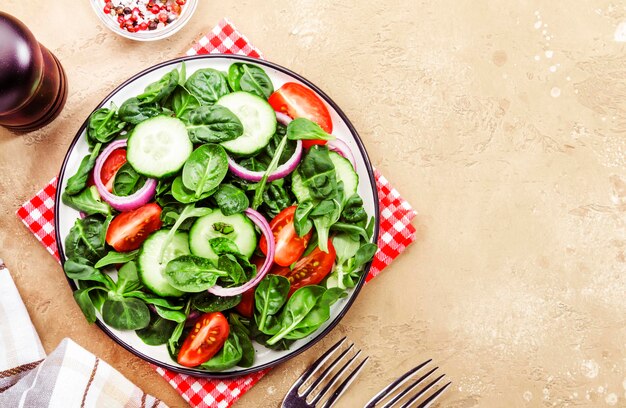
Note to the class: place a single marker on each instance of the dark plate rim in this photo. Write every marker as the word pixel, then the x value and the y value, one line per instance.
pixel 357 288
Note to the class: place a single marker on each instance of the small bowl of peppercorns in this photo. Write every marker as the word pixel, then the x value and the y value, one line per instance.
pixel 144 20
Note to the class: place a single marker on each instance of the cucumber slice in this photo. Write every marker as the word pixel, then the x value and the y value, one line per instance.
pixel 151 270
pixel 258 120
pixel 158 147
pixel 237 227
pixel 345 172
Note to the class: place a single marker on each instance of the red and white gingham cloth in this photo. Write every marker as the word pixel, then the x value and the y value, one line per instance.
pixel 396 233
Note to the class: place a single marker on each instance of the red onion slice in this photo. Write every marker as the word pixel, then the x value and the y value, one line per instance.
pixel 342 148
pixel 128 203
pixel 283 118
pixel 281 171
pixel 260 221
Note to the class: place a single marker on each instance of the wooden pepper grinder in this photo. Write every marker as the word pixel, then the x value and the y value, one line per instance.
pixel 33 86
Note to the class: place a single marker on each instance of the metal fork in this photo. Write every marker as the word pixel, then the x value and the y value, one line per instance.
pixel 298 399
pixel 389 392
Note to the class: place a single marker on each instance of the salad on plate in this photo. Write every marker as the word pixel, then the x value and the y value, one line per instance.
pixel 215 212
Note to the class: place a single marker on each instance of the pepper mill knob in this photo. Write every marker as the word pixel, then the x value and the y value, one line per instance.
pixel 33 86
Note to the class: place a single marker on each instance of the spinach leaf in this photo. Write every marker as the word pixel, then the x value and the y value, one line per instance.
pixel 188 212
pixel 135 111
pixel 276 198
pixel 301 221
pixel 230 199
pixel 305 129
pixel 104 125
pixel 88 201
pixel 260 188
pixel 351 256
pixel 127 279
pixel 353 210
pixel 352 229
pixel 186 196
pixel 173 315
pixel 205 169
pixel 250 78
pixel 345 246
pixel 228 357
pixel 125 313
pixel 79 180
pixel 97 296
pixel 208 302
pixel 79 269
pixel 208 85
pixel 86 239
pixel 172 304
pixel 318 173
pixel 212 124
pixel 221 245
pixel 234 272
pixel 127 181
pixel 318 315
pixel 297 308
pixel 236 264
pixel 182 102
pixel 172 342
pixel 247 349
pixel 190 273
pixel 158 91
pixel 157 332
pixel 84 301
pixel 113 257
pixel 323 222
pixel 269 296
pixel 365 254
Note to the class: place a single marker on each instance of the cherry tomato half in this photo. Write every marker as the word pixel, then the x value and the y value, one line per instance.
pixel 205 339
pixel 298 101
pixel 111 166
pixel 128 230
pixel 310 270
pixel 289 246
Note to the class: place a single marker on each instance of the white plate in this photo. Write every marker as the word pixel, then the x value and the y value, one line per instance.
pixel 342 129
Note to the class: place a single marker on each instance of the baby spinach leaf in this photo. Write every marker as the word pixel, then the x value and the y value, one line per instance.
pixel 227 357
pixel 158 91
pixel 208 85
pixel 190 273
pixel 190 211
pixel 80 270
pixel 250 78
pixel 125 313
pixel 169 303
pixel 79 180
pixel 82 298
pixel 230 199
pixel 205 169
pixel 301 221
pixel 247 349
pixel 158 331
pixel 353 210
pixel 135 111
pixel 172 342
pixel 208 302
pixel 352 229
pixel 212 124
pixel 127 181
pixel 173 315
pixel 182 102
pixel 104 125
pixel 345 247
pixel 318 173
pixel 305 129
pixel 86 239
pixel 318 315
pixel 186 196
pixel 87 201
pixel 297 308
pixel 113 257
pixel 269 296
pixel 276 198
pixel 323 222
pixel 365 254
pixel 234 272
pixel 127 278
pixel 260 188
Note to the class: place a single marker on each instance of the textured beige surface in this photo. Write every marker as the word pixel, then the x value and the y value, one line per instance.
pixel 502 122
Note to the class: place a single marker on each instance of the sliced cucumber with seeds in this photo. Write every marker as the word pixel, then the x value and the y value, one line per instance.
pixel 345 173
pixel 149 263
pixel 237 227
pixel 158 147
pixel 258 120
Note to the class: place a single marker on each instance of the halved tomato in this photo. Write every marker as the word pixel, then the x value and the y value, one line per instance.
pixel 205 339
pixel 128 230
pixel 110 167
pixel 289 246
pixel 298 101
pixel 310 270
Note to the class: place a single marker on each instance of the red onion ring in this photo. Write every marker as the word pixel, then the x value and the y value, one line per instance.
pixel 260 221
pixel 283 118
pixel 128 203
pixel 342 148
pixel 281 171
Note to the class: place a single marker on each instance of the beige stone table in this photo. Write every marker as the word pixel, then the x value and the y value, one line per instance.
pixel 502 122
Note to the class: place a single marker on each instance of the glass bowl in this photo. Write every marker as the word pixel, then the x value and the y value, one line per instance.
pixel 158 34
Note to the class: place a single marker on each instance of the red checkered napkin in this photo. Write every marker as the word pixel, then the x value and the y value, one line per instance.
pixel 396 233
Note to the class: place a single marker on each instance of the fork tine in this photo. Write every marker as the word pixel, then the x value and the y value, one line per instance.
pixel 422 392
pixel 394 385
pixel 408 389
pixel 334 379
pixel 325 373
pixel 317 363
pixel 430 400
pixel 344 386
